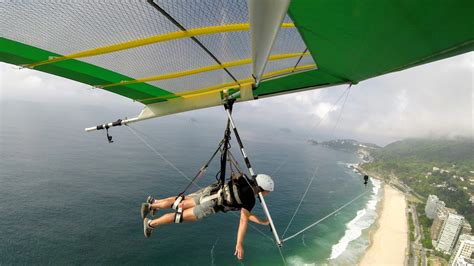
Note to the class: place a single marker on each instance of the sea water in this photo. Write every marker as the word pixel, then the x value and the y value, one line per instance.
pixel 67 197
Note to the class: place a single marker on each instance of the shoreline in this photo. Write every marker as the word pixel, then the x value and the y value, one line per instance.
pixel 357 228
pixel 387 239
pixel 374 227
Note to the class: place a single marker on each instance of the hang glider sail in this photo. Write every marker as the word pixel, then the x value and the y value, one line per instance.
pixel 175 56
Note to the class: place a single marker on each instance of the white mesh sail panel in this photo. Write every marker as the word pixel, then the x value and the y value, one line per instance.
pixel 241 72
pixel 306 60
pixel 202 13
pixel 228 46
pixel 66 27
pixel 194 82
pixel 155 59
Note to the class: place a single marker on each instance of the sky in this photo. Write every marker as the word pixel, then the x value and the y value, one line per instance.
pixel 432 100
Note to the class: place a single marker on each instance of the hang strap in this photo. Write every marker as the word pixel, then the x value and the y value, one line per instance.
pixel 178 216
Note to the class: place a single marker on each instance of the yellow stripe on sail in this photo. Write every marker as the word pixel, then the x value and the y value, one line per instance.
pixel 229 85
pixel 150 40
pixel 287 70
pixel 201 70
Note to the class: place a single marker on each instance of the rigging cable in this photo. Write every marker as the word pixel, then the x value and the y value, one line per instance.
pixel 278 168
pixel 340 113
pixel 160 155
pixel 281 255
pixel 324 218
pixel 346 92
pixel 201 171
pixel 196 40
pixel 301 201
pixel 299 59
pixel 331 109
pixel 317 125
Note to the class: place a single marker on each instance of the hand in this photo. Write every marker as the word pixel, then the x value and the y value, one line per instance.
pixel 265 222
pixel 239 251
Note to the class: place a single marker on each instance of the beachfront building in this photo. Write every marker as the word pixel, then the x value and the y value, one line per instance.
pixel 463 252
pixel 462 261
pixel 449 233
pixel 433 204
pixel 437 225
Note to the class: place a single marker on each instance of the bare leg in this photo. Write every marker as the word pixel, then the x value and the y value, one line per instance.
pixel 166 203
pixel 163 203
pixel 188 216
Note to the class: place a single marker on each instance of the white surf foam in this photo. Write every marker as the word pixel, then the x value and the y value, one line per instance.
pixel 298 261
pixel 364 219
pixel 212 253
pixel 302 240
pixel 348 165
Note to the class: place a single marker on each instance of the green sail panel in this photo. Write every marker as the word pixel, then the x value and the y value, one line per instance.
pixel 21 54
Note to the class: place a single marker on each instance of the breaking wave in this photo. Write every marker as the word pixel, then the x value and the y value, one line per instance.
pixel 364 219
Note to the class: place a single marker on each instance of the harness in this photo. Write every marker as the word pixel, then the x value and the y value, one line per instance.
pixel 225 197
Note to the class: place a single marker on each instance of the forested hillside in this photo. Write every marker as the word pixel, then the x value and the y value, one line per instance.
pixel 444 167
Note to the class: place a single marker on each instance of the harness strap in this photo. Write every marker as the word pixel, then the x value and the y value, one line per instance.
pixel 236 194
pixel 227 196
pixel 214 196
pixel 177 202
pixel 178 216
pixel 224 195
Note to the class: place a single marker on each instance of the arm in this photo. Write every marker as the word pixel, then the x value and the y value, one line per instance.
pixel 245 216
pixel 239 247
pixel 254 218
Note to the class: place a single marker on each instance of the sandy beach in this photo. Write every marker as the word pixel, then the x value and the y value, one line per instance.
pixel 389 241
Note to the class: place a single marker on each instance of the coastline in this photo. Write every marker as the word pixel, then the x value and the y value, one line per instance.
pixel 389 237
pixel 373 229
pixel 353 244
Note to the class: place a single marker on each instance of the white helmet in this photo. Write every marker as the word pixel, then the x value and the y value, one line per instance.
pixel 265 182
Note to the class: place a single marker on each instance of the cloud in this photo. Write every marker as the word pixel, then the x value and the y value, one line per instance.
pixel 322 109
pixel 429 100
pixel 29 85
pixel 432 100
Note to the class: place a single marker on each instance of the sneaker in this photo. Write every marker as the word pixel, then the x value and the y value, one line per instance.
pixel 151 200
pixel 145 209
pixel 146 228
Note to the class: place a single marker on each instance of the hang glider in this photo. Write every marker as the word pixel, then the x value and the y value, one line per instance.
pixel 175 56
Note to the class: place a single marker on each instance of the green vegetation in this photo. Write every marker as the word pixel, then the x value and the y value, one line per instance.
pixel 442 255
pixel 425 225
pixel 431 166
pixel 411 227
pixel 348 145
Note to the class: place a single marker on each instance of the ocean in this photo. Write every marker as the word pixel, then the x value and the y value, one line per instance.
pixel 69 197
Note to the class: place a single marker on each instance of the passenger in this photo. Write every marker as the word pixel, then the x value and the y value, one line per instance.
pixel 237 195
